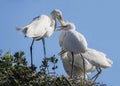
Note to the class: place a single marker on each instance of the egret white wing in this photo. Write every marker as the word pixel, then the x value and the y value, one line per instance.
pixel 78 61
pixel 78 72
pixel 38 27
pixel 97 58
pixel 61 37
pixel 74 42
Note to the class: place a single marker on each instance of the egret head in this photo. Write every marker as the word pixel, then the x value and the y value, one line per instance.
pixel 57 14
pixel 67 26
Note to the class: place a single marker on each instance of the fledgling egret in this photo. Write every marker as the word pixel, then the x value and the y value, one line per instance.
pixel 94 60
pixel 78 65
pixel 97 59
pixel 72 41
pixel 41 27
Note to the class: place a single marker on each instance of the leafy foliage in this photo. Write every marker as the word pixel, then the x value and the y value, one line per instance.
pixel 14 71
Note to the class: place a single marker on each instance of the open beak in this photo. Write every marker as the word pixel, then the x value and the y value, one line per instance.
pixel 61 28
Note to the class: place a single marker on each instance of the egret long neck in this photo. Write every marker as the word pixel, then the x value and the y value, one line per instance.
pixel 53 22
pixel 51 28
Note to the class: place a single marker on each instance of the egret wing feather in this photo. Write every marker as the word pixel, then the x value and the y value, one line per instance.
pixel 74 42
pixel 78 72
pixel 97 58
pixel 78 61
pixel 61 37
pixel 38 26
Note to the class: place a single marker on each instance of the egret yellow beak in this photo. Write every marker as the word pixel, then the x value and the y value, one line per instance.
pixel 61 20
pixel 61 27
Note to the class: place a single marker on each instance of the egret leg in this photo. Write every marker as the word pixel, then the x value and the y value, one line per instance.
pixel 83 65
pixel 31 53
pixel 72 69
pixel 43 41
pixel 96 76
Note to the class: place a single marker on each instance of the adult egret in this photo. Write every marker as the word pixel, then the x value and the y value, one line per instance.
pixel 41 27
pixel 97 59
pixel 71 40
pixel 78 65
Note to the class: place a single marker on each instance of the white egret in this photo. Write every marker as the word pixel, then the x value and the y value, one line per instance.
pixel 97 59
pixel 78 65
pixel 71 40
pixel 94 60
pixel 41 27
pixel 74 42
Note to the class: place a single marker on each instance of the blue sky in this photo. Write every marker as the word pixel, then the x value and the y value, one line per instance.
pixel 98 20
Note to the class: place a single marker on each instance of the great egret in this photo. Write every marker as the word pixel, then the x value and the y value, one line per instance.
pixel 78 65
pixel 71 40
pixel 94 60
pixel 41 27
pixel 97 59
pixel 74 42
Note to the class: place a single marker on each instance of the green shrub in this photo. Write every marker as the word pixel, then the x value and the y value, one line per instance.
pixel 14 71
